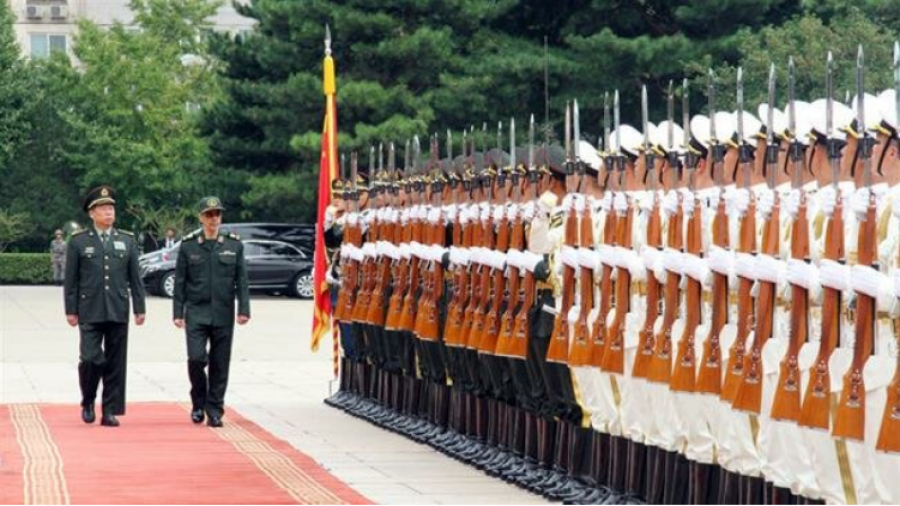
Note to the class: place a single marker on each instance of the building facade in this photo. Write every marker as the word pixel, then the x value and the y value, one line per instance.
pixel 43 26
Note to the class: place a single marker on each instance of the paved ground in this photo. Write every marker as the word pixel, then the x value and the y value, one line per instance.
pixel 276 382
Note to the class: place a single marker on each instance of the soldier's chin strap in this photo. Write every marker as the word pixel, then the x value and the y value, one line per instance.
pixel 892 138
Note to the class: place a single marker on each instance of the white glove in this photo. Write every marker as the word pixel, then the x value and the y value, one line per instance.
pixel 579 202
pixel 874 284
pixel 670 203
pixel 531 260
pixel 328 220
pixel 860 203
pixel 720 260
pixel 485 210
pixel 568 256
pixel 527 211
pixel 672 260
pixel 621 203
pixel 499 211
pixel 895 206
pixel 450 212
pixel 696 268
pixel 514 258
pixel 745 265
pixel 587 259
pixel 434 215
pixel 568 202
pixel 607 255
pixel 827 197
pixel 896 280
pixel 352 219
pixel 606 201
pixel 769 269
pixel 687 204
pixel 834 275
pixel 636 268
pixel 791 204
pixel 543 208
pixel 512 210
pixel 645 203
pixel 739 202
pixel 765 201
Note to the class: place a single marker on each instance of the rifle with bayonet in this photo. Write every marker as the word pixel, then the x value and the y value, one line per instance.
pixel 519 345
pixel 558 350
pixel 684 375
pixel 746 249
pixel 459 184
pixel 889 434
pixel 516 245
pixel 408 310
pixel 474 313
pixel 615 161
pixel 646 336
pixel 376 311
pixel 661 365
pixel 850 419
pixel 709 377
pixel 787 394
pixel 816 410
pixel 580 351
pixel 614 355
pixel 360 308
pixel 491 334
pixel 749 394
pixel 402 237
pixel 427 314
pixel 351 240
pixel 488 236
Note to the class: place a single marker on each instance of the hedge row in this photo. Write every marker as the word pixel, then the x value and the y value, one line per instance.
pixel 25 269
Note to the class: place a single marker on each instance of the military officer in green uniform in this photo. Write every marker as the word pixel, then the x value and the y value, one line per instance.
pixel 209 275
pixel 101 268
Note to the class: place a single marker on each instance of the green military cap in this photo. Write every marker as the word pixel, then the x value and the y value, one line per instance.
pixel 100 195
pixel 210 204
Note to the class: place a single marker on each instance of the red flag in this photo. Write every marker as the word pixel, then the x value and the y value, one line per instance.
pixel 327 172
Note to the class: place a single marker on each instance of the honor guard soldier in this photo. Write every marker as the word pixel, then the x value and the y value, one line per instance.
pixel 101 268
pixel 209 275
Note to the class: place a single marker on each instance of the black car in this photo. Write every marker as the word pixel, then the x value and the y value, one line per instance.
pixel 273 266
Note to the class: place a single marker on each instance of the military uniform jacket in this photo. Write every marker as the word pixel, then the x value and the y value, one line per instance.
pixel 99 277
pixel 208 278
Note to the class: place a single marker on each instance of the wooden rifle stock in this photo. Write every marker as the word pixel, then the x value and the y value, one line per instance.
pixel 349 279
pixel 479 318
pixel 599 332
pixel 614 352
pixel 408 311
pixel 749 394
pixel 580 350
pixel 363 298
pixel 816 411
pixel 453 327
pixel 684 375
pixel 558 351
pixel 476 296
pixel 735 368
pixel 850 419
pixel 661 365
pixel 646 338
pixel 491 332
pixel 376 311
pixel 786 405
pixel 889 434
pixel 709 379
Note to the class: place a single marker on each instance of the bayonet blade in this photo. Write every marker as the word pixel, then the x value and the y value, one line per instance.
pixel 770 117
pixel 417 151
pixel 616 123
pixel 711 97
pixel 576 135
pixel 860 91
pixel 685 113
pixel 740 106
pixel 644 118
pixel 531 143
pixel 896 83
pixel 606 120
pixel 792 112
pixel 569 155
pixel 449 147
pixel 670 115
pixel 829 96
pixel 512 143
pixel 391 161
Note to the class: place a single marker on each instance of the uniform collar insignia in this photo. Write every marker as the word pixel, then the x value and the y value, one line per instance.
pixel 221 239
pixel 199 239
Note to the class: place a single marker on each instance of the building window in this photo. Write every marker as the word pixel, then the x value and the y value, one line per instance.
pixel 42 44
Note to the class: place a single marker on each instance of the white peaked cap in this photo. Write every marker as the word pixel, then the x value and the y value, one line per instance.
pixel 589 154
pixel 700 128
pixel 872 110
pixel 842 118
pixel 631 139
pixel 887 103
pixel 779 119
pixel 751 126
pixel 660 136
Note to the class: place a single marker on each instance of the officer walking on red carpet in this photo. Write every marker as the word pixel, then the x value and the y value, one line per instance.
pixel 101 268
pixel 209 275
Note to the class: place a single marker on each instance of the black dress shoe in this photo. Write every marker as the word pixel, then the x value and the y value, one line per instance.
pixel 109 420
pixel 197 415
pixel 87 414
pixel 214 421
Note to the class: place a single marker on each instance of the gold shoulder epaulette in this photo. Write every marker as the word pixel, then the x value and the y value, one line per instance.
pixel 126 232
pixel 191 236
pixel 79 232
pixel 235 237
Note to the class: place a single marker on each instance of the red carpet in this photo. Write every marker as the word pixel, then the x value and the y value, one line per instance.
pixel 48 456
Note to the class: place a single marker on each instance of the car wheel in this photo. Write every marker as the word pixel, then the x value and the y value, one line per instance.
pixel 302 287
pixel 167 284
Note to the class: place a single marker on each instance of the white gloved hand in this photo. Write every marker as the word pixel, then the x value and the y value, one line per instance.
pixel 512 211
pixel 860 203
pixel 645 203
pixel 670 203
pixel 568 202
pixel 527 211
pixel 485 212
pixel 792 202
pixel 499 211
pixel 328 220
pixel 434 215
pixel 579 203
pixel 543 208
pixel 606 201
pixel 738 202
pixel 450 212
pixel 895 206
pixel 687 203
pixel 765 201
pixel 827 200
pixel 621 203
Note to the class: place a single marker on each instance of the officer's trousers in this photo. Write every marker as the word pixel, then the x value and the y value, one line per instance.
pixel 103 355
pixel 209 393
